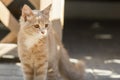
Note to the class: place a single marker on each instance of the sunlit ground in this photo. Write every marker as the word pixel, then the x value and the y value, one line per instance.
pixel 98 44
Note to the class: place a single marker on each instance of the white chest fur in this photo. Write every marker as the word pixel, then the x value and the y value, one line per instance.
pixel 32 40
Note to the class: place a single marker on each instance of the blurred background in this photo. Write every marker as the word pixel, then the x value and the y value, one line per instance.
pixel 91 33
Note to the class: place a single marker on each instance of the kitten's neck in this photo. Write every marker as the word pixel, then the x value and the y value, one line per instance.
pixel 30 40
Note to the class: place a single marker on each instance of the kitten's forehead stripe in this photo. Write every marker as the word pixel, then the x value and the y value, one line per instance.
pixel 38 19
pixel 38 15
pixel 36 12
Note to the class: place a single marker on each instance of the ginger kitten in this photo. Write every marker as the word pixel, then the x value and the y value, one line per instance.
pixel 40 50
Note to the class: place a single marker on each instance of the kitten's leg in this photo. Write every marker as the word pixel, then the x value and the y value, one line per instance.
pixel 54 73
pixel 28 71
pixel 41 71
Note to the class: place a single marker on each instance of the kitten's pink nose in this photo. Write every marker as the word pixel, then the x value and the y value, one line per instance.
pixel 42 32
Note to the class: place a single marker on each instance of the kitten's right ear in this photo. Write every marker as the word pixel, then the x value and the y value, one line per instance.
pixel 27 13
pixel 46 11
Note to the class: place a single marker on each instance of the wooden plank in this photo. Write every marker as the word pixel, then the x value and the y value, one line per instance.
pixel 7 19
pixel 10 22
pixel 36 3
pixel 58 16
pixel 44 3
pixel 10 38
pixel 57 13
pixel 8 49
pixel 7 2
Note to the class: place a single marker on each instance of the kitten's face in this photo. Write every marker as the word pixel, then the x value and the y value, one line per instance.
pixel 35 22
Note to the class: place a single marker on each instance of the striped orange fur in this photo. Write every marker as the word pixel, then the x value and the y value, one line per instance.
pixel 41 52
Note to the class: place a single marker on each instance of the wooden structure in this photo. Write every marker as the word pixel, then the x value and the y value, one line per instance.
pixel 9 21
pixel 12 24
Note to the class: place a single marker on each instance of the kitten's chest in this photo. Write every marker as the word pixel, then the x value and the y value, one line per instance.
pixel 37 52
pixel 31 41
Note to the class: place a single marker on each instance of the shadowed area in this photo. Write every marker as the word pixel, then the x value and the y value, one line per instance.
pixel 98 44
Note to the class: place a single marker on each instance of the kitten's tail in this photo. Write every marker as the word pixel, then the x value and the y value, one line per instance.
pixel 72 69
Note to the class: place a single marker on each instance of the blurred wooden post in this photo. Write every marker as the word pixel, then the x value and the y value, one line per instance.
pixel 10 22
pixel 10 38
pixel 6 2
pixel 8 19
pixel 57 13
pixel 36 3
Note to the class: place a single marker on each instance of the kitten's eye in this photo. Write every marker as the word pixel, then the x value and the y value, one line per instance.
pixel 36 26
pixel 46 25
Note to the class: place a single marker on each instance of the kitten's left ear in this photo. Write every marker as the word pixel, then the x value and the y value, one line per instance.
pixel 46 11
pixel 27 12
